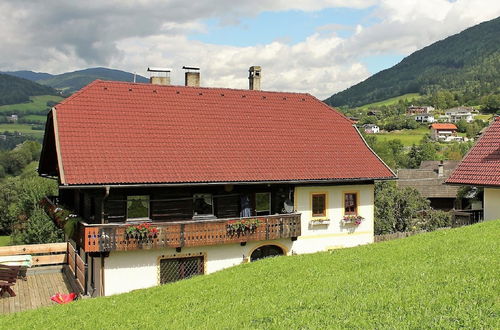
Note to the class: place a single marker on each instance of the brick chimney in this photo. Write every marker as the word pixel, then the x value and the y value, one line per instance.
pixel 441 169
pixel 192 76
pixel 159 76
pixel 254 78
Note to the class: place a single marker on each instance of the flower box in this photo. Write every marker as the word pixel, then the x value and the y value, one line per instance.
pixel 319 222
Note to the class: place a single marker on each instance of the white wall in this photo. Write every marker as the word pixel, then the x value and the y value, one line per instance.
pixel 316 238
pixel 491 203
pixel 129 270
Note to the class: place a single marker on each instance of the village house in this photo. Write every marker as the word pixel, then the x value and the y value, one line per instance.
pixel 428 179
pixel 425 118
pixel 444 132
pixel 174 181
pixel 416 109
pixel 481 168
pixel 13 118
pixel 371 128
pixel 454 115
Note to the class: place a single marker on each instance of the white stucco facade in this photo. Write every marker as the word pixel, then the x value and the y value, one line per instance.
pixel 125 271
pixel 491 203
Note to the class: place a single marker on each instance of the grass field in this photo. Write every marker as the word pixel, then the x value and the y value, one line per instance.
pixel 446 279
pixel 407 137
pixel 484 117
pixel 4 240
pixel 36 118
pixel 21 128
pixel 392 100
pixel 38 103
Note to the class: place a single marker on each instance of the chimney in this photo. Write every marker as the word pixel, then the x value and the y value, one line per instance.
pixel 440 169
pixel 254 78
pixel 159 76
pixel 192 76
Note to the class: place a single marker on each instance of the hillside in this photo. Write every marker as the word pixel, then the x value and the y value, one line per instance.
pixel 444 279
pixel 72 81
pixel 468 62
pixel 30 75
pixel 17 90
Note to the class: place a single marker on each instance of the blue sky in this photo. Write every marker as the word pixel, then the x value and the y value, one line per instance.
pixel 294 26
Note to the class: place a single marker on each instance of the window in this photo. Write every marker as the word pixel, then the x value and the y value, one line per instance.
pixel 350 204
pixel 137 207
pixel 172 270
pixel 319 205
pixel 263 203
pixel 203 204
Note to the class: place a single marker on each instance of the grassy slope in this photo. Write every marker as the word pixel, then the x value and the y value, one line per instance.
pixel 4 240
pixel 392 100
pixel 38 103
pixel 444 279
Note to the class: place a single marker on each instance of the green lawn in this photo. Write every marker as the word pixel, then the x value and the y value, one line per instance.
pixel 4 240
pixel 38 103
pixel 36 118
pixel 407 137
pixel 21 128
pixel 447 279
pixel 485 118
pixel 392 100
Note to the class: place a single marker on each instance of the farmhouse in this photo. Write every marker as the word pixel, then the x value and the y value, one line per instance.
pixel 371 128
pixel 443 132
pixel 415 109
pixel 174 181
pixel 481 168
pixel 428 179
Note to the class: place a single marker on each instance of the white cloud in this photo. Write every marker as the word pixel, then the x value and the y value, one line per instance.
pixel 57 36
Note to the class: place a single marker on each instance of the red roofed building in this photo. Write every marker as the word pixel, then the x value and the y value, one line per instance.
pixel 443 131
pixel 173 181
pixel 481 167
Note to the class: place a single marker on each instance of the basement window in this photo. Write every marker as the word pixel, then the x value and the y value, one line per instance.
pixel 137 207
pixel 175 269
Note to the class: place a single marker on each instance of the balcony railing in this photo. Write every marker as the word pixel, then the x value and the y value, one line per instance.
pixel 178 234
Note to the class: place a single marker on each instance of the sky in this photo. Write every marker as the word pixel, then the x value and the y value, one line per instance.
pixel 314 46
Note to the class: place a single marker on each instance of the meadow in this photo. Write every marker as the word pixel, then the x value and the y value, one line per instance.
pixel 446 279
pixel 392 100
pixel 37 103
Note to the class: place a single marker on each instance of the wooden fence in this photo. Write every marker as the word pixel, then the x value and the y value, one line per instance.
pixel 43 254
pixel 76 269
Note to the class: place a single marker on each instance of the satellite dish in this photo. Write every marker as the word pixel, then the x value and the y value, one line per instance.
pixel 288 206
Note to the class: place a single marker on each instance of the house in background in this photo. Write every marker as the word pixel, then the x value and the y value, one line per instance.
pixel 12 118
pixel 371 128
pixel 417 110
pixel 443 132
pixel 481 168
pixel 454 115
pixel 425 118
pixel 429 179
pixel 175 181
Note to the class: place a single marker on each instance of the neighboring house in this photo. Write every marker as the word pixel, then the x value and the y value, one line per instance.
pixel 481 168
pixel 454 115
pixel 12 118
pixel 415 110
pixel 425 118
pixel 443 132
pixel 429 179
pixel 371 128
pixel 220 176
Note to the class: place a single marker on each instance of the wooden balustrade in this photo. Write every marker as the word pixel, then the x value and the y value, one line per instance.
pixel 114 237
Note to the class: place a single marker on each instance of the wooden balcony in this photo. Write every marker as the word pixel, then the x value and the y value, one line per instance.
pixel 178 234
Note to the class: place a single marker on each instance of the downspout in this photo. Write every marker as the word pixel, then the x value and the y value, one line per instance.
pixel 106 195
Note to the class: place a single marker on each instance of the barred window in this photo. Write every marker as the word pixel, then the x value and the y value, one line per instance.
pixel 176 269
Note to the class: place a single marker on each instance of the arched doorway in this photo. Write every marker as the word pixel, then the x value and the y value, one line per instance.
pixel 265 252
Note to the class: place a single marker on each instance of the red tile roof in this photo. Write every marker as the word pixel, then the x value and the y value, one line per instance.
pixel 481 165
pixel 116 132
pixel 444 126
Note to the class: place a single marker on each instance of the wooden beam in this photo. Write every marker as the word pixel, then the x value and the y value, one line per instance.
pixel 33 249
pixel 49 260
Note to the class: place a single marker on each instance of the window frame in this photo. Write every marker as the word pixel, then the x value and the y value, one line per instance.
pixel 356 203
pixel 148 198
pixel 262 212
pixel 212 205
pixel 319 215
